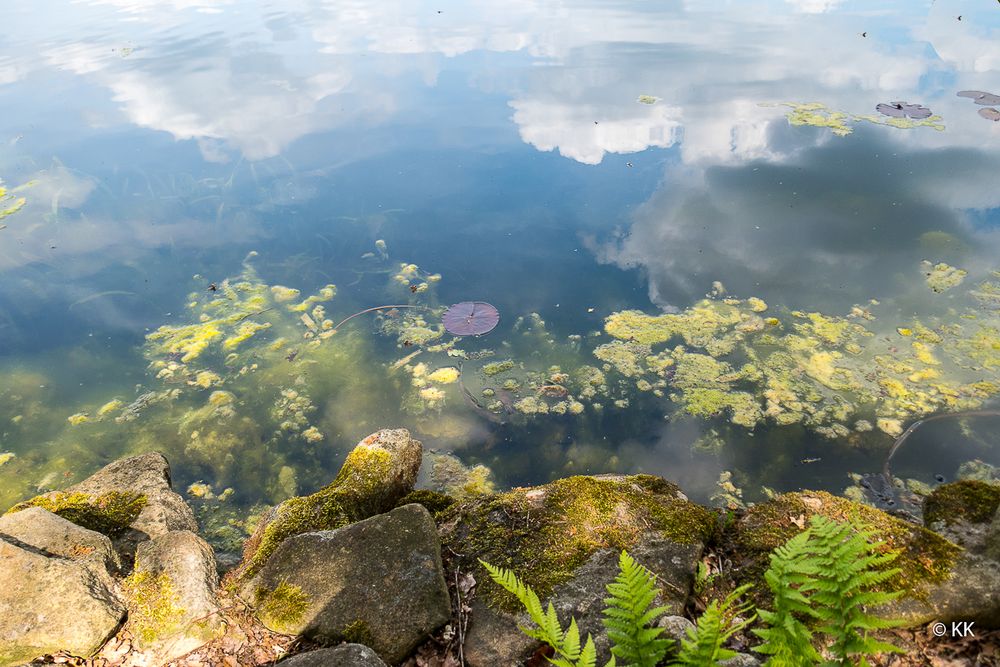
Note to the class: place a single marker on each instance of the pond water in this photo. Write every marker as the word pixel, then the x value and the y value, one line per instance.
pixel 178 168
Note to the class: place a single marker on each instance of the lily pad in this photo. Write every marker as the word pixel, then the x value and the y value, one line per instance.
pixel 980 97
pixel 989 113
pixel 903 110
pixel 470 318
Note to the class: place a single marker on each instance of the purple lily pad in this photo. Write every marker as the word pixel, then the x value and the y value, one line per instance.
pixel 980 97
pixel 989 113
pixel 902 110
pixel 470 318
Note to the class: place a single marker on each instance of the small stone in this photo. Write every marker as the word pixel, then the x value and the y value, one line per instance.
pixel 675 627
pixel 345 655
pixel 741 660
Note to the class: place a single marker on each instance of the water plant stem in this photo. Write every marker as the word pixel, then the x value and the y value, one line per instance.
pixel 369 310
pixel 915 425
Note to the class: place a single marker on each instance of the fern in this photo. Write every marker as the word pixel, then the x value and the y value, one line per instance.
pixel 846 574
pixel 565 643
pixel 703 647
pixel 790 577
pixel 628 616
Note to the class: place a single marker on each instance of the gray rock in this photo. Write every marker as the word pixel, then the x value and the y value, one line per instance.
pixel 50 603
pixel 345 655
pixel 970 593
pixel 54 535
pixel 675 627
pixel 148 474
pixel 741 660
pixel 377 473
pixel 379 582
pixel 494 638
pixel 177 572
pixel 992 547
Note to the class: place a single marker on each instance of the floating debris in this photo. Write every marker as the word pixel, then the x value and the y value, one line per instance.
pixel 840 123
pixel 470 318
pixel 647 99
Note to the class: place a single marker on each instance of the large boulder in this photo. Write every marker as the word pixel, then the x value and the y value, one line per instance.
pixel 345 655
pixel 944 575
pixel 379 471
pixel 129 500
pixel 53 535
pixel 173 608
pixel 563 539
pixel 50 603
pixel 378 582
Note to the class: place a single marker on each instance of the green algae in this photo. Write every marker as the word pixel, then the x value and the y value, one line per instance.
pixel 497 367
pixel 283 607
pixel 969 500
pixel 110 513
pixel 545 533
pixel 841 123
pixel 941 277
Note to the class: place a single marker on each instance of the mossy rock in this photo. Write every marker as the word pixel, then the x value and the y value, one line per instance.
pixel 925 557
pixel 379 471
pixel 545 533
pixel 109 513
pixel 434 502
pixel 968 500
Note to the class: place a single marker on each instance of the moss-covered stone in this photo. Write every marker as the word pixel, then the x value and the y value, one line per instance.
pixel 967 500
pixel 282 607
pixel 433 501
pixel 109 513
pixel 545 533
pixel 153 605
pixel 924 556
pixel 358 632
pixel 379 471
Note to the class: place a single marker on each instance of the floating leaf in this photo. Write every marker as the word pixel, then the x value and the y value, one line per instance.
pixel 903 110
pixel 980 97
pixel 470 318
pixel 989 113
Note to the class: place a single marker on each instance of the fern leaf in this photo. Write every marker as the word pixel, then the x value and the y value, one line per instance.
pixel 628 615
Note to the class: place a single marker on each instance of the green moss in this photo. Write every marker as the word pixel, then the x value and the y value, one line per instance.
pixel 109 513
pixel 966 500
pixel 282 608
pixel 545 533
pixel 358 632
pixel 433 501
pixel 924 556
pixel 153 605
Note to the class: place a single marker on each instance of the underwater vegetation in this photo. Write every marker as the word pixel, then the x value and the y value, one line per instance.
pixel 841 122
pixel 9 203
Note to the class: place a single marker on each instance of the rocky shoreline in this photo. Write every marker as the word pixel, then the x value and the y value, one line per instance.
pixel 369 571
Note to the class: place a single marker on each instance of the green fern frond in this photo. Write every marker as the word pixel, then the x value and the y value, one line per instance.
pixel 547 628
pixel 704 644
pixel 629 615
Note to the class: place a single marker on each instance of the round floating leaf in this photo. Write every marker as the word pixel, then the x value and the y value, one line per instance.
pixel 902 110
pixel 989 113
pixel 980 97
pixel 470 318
